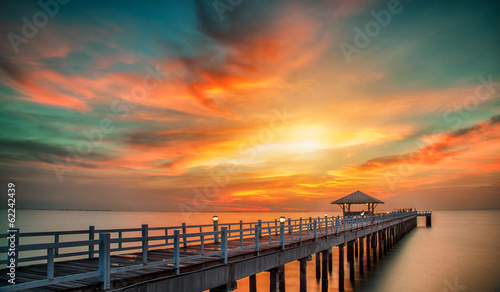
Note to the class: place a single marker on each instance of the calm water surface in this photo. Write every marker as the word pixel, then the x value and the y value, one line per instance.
pixel 460 252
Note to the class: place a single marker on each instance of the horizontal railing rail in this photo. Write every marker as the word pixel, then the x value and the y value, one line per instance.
pixel 264 234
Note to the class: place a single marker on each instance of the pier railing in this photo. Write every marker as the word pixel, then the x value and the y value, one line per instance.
pixel 104 243
pixel 424 213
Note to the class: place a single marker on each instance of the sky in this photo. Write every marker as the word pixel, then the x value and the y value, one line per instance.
pixel 250 105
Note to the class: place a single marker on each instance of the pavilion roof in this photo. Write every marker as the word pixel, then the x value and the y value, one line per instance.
pixel 357 197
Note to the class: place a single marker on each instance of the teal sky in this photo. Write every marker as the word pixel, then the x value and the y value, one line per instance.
pixel 146 106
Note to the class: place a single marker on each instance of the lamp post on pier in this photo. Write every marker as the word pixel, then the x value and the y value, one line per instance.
pixel 215 219
pixel 282 232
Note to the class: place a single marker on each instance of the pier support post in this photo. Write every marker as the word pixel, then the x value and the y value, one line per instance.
pixel 324 274
pixel 281 278
pixel 374 246
pixel 356 250
pixel 330 261
pixel 318 266
pixel 341 267
pixel 387 239
pixel 303 275
pixel 361 254
pixel 368 247
pixel 384 239
pixel 253 283
pixel 350 259
pixel 379 244
pixel 428 221
pixel 392 237
pixel 274 281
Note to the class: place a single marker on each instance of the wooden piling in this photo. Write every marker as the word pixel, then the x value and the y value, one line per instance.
pixel 273 280
pixel 324 274
pixel 374 247
pixel 318 266
pixel 341 267
pixel 330 261
pixel 253 283
pixel 281 278
pixel 356 250
pixel 303 275
pixel 350 258
pixel 379 244
pixel 384 238
pixel 428 221
pixel 361 254
pixel 368 247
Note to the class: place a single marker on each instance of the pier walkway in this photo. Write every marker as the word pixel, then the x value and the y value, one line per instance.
pixel 193 257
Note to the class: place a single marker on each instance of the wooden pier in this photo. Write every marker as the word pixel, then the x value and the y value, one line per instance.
pixel 199 257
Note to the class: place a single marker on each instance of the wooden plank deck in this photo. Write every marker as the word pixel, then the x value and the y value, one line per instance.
pixel 69 267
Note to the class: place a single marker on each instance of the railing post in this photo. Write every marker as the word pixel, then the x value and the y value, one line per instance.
pixel 290 225
pixel 256 238
pixel 223 246
pixel 176 252
pixel 260 228
pixel 343 221
pixel 351 223
pixel 282 236
pixel 202 244
pixel 145 243
pixel 56 241
pixel 104 260
pixel 300 231
pixel 184 238
pixel 315 230
pixel 91 237
pixel 13 256
pixel 337 225
pixel 326 226
pixel 276 226
pixel 166 235
pixel 241 233
pixel 310 223
pixel 216 229
pixel 120 237
pixel 50 263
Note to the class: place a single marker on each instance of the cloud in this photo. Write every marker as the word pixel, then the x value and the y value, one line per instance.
pixel 441 145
